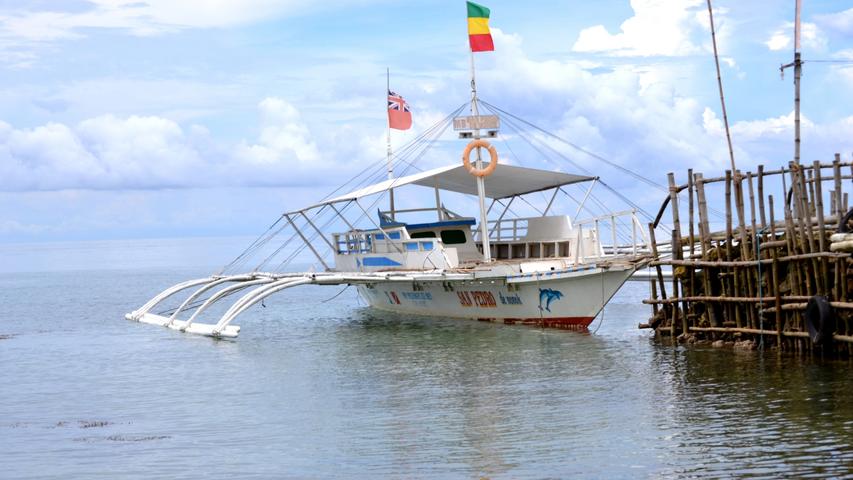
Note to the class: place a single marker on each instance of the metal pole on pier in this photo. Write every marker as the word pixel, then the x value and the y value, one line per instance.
pixel 798 73
pixel 481 185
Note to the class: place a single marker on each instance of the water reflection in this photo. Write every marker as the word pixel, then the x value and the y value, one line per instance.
pixel 754 414
pixel 317 388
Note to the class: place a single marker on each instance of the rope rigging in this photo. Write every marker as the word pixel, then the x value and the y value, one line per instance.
pixel 404 161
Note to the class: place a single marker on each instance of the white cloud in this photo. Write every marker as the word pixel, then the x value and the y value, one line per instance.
pixel 783 37
pixel 283 136
pixel 150 17
pixel 108 152
pixel 658 27
pixel 778 40
pixel 771 140
pixel 25 30
pixel 841 22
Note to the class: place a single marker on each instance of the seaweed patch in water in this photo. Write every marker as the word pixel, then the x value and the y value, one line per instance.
pixel 17 425
pixel 92 423
pixel 122 438
pixel 148 438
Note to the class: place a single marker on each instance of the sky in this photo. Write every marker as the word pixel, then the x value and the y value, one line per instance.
pixel 164 118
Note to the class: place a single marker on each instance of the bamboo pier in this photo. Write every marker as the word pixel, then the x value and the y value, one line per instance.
pixel 777 274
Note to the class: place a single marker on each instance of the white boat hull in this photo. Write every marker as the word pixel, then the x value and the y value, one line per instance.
pixel 567 300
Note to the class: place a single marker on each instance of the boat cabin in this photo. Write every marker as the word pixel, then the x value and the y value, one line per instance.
pixel 453 241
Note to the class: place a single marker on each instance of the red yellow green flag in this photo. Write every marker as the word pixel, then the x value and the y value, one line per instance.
pixel 479 36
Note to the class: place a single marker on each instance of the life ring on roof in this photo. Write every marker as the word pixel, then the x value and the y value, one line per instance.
pixel 480 172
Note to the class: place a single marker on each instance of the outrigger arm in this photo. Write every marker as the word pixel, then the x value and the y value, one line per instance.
pixel 264 284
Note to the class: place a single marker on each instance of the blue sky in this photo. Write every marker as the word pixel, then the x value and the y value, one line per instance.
pixel 128 118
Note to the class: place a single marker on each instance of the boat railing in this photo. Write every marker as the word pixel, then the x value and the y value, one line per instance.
pixel 443 212
pixel 508 229
pixel 387 241
pixel 621 242
pixel 590 239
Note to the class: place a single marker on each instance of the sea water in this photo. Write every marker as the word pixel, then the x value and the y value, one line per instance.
pixel 318 385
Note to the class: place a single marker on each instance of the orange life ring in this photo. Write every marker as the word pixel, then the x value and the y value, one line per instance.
pixel 480 172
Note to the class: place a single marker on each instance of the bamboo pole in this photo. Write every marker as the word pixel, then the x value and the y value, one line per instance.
pixel 691 287
pixel 705 244
pixel 709 298
pixel 799 335
pixel 677 252
pixel 676 247
pixel 654 248
pixel 807 193
pixel 761 195
pixel 777 295
pixel 750 263
pixel 731 275
pixel 803 305
pixel 836 173
pixel 824 267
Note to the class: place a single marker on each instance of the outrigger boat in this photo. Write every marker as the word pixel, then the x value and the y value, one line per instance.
pixel 549 269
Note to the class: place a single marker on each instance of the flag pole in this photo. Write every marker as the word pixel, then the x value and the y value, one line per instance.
pixel 388 138
pixel 481 185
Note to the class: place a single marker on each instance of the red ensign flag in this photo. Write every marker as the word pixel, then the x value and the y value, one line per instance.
pixel 399 115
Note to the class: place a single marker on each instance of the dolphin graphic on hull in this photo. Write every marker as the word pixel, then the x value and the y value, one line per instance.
pixel 548 295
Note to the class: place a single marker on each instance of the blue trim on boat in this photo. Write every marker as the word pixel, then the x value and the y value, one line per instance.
pixel 379 262
pixel 392 236
pixel 445 223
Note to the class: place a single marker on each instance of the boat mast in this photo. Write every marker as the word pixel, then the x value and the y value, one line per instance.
pixel 388 149
pixel 481 185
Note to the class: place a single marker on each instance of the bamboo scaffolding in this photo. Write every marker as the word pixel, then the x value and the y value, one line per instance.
pixel 755 278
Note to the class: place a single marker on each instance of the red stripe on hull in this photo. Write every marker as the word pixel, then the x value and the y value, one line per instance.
pixel 568 323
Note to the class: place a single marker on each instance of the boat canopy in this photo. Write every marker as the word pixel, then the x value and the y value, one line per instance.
pixel 506 181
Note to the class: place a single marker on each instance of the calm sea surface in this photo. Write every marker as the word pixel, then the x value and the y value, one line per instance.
pixel 320 387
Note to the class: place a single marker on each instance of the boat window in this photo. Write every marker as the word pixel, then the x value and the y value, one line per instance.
pixel 392 236
pixel 423 235
pixel 453 237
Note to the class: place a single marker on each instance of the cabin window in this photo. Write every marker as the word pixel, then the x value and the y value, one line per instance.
pixel 392 236
pixel 423 235
pixel 453 237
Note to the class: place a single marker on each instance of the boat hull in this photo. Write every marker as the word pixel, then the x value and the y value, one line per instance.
pixel 566 301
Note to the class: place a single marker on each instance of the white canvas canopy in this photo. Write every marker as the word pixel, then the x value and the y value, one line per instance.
pixel 506 181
